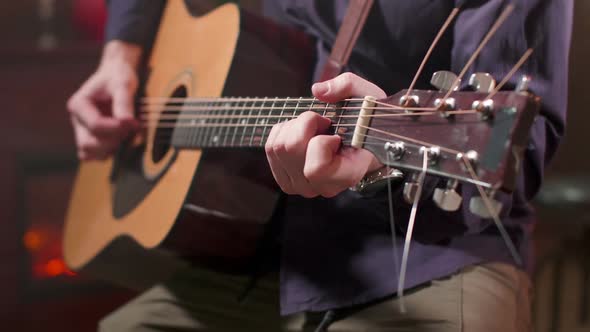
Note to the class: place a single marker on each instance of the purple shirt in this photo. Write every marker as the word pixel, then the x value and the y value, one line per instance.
pixel 337 252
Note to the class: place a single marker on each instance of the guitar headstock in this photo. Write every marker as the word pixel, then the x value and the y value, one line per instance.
pixel 491 133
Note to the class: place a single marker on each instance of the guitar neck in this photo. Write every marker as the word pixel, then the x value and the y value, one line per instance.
pixel 243 122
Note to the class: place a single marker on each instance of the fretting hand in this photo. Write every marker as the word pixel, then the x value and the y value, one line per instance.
pixel 307 162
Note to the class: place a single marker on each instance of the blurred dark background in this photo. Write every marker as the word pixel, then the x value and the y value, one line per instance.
pixel 49 47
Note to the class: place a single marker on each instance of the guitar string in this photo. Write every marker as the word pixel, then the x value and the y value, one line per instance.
pixel 394 250
pixel 149 119
pixel 252 134
pixel 197 109
pixel 471 60
pixel 431 49
pixel 511 73
pixel 196 100
pixel 401 280
pixel 494 214
pixel 319 106
pixel 409 233
pixel 505 13
pixel 166 100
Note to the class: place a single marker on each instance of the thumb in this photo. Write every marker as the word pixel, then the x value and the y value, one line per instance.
pixel 123 103
pixel 345 86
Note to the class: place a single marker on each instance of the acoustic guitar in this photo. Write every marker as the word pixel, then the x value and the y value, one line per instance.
pixel 194 186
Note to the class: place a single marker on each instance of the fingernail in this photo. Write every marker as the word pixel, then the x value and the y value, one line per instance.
pixel 320 89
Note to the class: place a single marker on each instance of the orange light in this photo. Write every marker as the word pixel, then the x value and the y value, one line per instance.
pixel 33 240
pixel 55 267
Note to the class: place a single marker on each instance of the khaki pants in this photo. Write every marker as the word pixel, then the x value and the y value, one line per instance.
pixel 490 297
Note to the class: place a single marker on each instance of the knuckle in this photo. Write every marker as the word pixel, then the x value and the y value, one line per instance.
pixel 292 144
pixel 268 149
pixel 308 116
pixel 279 148
pixel 72 104
pixel 347 78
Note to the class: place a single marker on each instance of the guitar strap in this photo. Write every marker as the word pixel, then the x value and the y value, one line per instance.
pixel 352 25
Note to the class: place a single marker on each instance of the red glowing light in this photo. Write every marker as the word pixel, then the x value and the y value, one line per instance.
pixel 55 267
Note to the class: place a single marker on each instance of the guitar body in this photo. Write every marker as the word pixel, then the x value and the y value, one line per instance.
pixel 136 218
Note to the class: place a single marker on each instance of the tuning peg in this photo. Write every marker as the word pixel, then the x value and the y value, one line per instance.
pixel 478 207
pixel 411 189
pixel 444 80
pixel 482 82
pixel 523 84
pixel 447 198
pixel 396 149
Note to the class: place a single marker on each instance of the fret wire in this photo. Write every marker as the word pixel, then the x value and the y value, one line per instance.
pixel 214 139
pixel 196 133
pixel 207 131
pixel 241 143
pixel 235 129
pixel 227 102
pixel 337 131
pixel 283 110
pixel 296 108
pixel 269 121
pixel 193 134
pixel 257 121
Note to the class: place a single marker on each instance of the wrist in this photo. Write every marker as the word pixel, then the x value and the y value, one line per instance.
pixel 120 51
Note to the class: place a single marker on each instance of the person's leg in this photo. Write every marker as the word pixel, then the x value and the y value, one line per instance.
pixel 487 298
pixel 496 297
pixel 197 300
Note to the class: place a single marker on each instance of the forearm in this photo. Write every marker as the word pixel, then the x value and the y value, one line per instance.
pixel 121 51
pixel 133 21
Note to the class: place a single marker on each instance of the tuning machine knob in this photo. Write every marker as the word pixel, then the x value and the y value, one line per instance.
pixel 443 80
pixel 478 207
pixel 447 198
pixel 482 82
pixel 411 189
pixel 523 84
pixel 396 150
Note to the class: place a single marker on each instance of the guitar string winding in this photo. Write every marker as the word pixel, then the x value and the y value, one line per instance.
pixel 431 49
pixel 499 21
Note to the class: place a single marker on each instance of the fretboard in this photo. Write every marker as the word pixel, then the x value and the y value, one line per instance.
pixel 245 122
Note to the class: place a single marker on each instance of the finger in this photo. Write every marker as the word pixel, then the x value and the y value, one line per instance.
pixel 345 86
pixel 291 160
pixel 85 112
pixel 291 148
pixel 278 171
pixel 91 147
pixel 332 170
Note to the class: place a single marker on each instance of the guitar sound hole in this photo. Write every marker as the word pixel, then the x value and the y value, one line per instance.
pixel 163 137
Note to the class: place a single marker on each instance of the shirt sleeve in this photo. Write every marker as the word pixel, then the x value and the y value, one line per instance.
pixel 133 21
pixel 545 26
